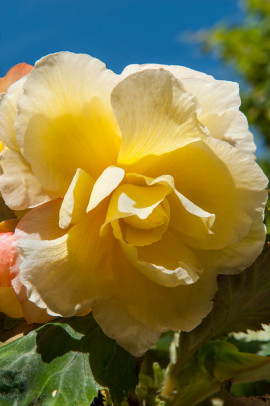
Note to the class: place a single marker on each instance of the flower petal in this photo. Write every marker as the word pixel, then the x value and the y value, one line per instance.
pixel 105 185
pixel 41 223
pixel 168 262
pixel 237 257
pixel 9 303
pixel 161 308
pixel 19 187
pixel 8 256
pixel 15 73
pixel 215 182
pixel 223 122
pixel 8 103
pixel 65 119
pixel 65 274
pixel 180 72
pixel 76 199
pixel 220 101
pixel 118 323
pixel 155 115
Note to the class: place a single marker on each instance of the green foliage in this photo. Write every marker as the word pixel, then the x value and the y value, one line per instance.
pixel 65 362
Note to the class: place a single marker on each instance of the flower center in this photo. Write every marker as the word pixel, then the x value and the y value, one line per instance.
pixel 139 215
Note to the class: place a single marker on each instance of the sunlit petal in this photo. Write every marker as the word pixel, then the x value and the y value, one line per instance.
pixel 65 121
pixel 155 115
pixel 76 199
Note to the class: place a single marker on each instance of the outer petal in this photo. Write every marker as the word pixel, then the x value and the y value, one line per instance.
pixel 223 122
pixel 117 322
pixel 239 256
pixel 9 303
pixel 180 72
pixel 158 307
pixel 65 119
pixel 67 273
pixel 8 103
pixel 14 74
pixel 8 255
pixel 19 187
pixel 155 115
pixel 220 101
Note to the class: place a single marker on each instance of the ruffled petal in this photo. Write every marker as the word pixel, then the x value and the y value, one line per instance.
pixel 8 103
pixel 160 308
pixel 168 262
pixel 65 274
pixel 19 187
pixel 65 120
pixel 155 115
pixel 237 257
pixel 221 180
pixel 220 101
pixel 180 72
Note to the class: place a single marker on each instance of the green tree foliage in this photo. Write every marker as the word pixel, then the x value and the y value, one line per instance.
pixel 247 48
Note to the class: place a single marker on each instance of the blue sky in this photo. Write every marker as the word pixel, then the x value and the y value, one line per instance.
pixel 119 32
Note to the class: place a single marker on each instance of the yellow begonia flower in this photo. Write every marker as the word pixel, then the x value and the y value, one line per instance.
pixel 154 191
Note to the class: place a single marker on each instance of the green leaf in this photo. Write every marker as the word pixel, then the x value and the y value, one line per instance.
pixel 225 362
pixel 242 302
pixel 65 362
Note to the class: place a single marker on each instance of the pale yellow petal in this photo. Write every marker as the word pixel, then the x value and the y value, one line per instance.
pixel 180 72
pixel 9 303
pixel 118 323
pixel 155 115
pixel 167 262
pixel 19 187
pixel 138 214
pixel 105 185
pixel 237 257
pixel 65 120
pixel 8 103
pixel 219 102
pixel 76 199
pixel 41 223
pixel 67 274
pixel 218 179
pixel 161 308
pixel 131 198
pixel 30 312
